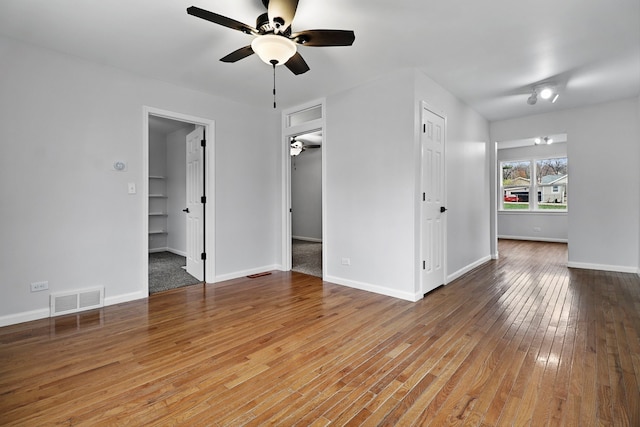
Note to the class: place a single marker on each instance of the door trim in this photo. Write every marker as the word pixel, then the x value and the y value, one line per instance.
pixel 288 132
pixel 209 154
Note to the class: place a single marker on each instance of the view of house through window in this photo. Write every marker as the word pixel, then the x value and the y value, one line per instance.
pixel 534 184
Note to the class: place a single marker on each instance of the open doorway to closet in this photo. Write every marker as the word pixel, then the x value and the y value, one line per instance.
pixel 306 203
pixel 176 191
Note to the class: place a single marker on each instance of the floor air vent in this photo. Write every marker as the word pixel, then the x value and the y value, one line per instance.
pixel 72 302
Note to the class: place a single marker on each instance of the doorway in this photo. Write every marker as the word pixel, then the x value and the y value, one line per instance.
pixel 306 203
pixel 175 169
pixel 303 160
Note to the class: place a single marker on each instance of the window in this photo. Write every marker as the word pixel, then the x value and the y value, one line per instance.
pixel 516 185
pixel 534 185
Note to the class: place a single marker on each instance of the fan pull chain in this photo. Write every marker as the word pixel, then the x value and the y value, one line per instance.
pixel 274 62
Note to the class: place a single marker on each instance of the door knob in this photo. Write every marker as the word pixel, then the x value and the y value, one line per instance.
pixel 442 209
pixel 185 210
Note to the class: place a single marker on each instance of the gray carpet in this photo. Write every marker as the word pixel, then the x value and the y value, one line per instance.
pixel 166 272
pixel 306 257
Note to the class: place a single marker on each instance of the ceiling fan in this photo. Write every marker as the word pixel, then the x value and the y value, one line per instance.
pixel 298 146
pixel 274 41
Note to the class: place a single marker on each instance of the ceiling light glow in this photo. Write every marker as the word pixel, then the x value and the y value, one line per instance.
pixel 546 93
pixel 271 47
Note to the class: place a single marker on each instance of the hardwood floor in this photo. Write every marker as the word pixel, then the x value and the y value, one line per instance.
pixel 519 341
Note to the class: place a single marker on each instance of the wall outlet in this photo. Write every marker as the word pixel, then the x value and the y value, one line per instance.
pixel 346 261
pixel 39 286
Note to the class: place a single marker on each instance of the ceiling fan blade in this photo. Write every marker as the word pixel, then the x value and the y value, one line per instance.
pixel 297 64
pixel 239 54
pixel 324 37
pixel 281 13
pixel 313 146
pixel 221 20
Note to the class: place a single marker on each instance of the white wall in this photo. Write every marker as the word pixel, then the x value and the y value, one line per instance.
pixel 373 160
pixel 66 216
pixel 541 225
pixel 306 195
pixel 603 152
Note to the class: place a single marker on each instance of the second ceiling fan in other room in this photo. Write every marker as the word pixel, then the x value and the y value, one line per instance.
pixel 298 145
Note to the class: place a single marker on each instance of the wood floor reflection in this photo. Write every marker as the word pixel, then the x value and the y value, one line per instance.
pixel 518 341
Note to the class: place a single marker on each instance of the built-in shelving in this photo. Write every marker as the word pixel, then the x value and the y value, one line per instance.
pixel 157 209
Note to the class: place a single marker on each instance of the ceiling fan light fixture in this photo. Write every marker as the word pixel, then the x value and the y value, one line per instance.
pixel 296 148
pixel 271 47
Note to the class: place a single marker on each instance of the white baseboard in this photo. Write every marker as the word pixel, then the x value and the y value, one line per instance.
pixel 464 270
pixel 603 267
pixel 117 299
pixel 307 239
pixel 156 250
pixel 534 239
pixel 173 251
pixel 244 273
pixel 27 316
pixel 177 252
pixel 407 296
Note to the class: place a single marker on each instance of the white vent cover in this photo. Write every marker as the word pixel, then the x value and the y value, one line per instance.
pixel 72 302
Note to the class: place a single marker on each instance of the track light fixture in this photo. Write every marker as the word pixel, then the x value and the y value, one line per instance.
pixel 543 140
pixel 547 92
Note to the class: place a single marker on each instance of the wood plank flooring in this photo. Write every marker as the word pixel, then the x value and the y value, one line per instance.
pixel 520 341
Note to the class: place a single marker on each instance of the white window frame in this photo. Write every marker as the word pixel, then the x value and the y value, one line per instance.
pixel 534 187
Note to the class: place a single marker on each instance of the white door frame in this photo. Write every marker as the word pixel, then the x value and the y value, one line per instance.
pixel 209 126
pixel 288 132
pixel 425 106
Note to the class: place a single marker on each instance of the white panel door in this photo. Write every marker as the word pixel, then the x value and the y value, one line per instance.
pixel 194 203
pixel 432 144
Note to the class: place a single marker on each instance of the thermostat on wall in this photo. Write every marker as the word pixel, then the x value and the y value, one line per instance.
pixel 119 166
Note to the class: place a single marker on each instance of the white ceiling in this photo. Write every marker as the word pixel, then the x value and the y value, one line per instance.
pixel 488 53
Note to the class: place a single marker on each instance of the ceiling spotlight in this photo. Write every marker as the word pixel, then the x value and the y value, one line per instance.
pixel 544 140
pixel 546 93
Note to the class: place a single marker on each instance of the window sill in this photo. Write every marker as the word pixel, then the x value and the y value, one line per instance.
pixel 538 212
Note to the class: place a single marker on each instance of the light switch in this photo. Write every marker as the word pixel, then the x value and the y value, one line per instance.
pixel 132 188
